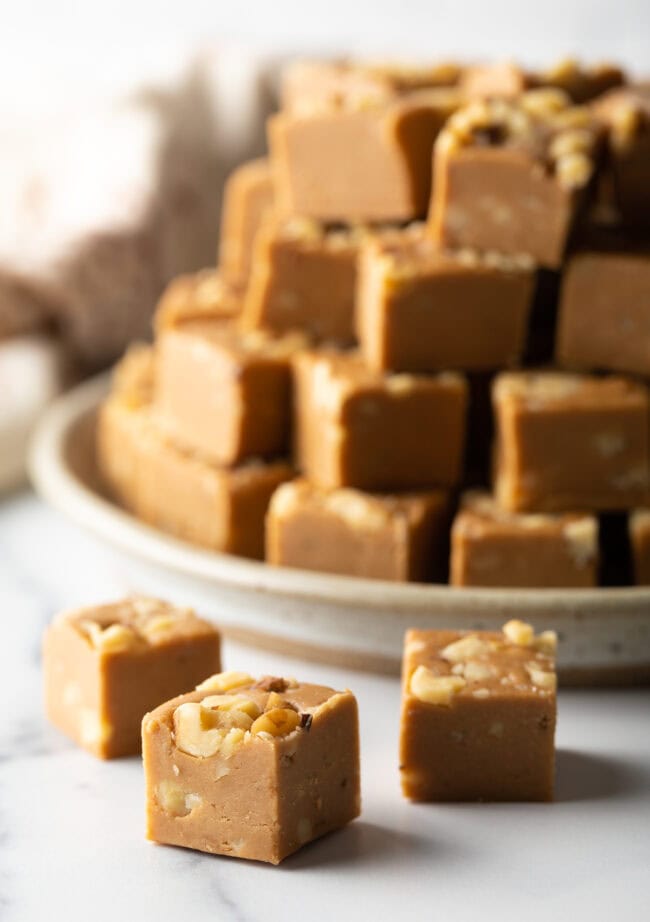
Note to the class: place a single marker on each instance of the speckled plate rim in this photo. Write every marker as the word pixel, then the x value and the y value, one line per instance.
pixel 605 628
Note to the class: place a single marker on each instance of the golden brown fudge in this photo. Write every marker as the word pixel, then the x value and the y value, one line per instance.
pixel 507 79
pixel 303 277
pixel 639 535
pixel 358 159
pixel 358 428
pixel 511 175
pixel 492 547
pixel 107 665
pixel 604 315
pixel 253 769
pixel 394 537
pixel 570 442
pixel 224 393
pixel 203 295
pixel 219 508
pixel 420 308
pixel 248 198
pixel 478 715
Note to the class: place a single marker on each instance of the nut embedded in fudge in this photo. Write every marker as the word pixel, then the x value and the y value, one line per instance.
pixel 106 666
pixel 423 309
pixel 247 198
pixel 493 547
pixel 377 536
pixel 252 769
pixel 478 715
pixel 570 442
pixel 203 295
pixel 360 428
pixel 510 176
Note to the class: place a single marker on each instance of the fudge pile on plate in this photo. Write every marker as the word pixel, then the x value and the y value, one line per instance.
pixel 432 309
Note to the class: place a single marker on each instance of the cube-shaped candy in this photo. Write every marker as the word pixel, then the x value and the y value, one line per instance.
pixel 604 316
pixel 303 278
pixel 253 769
pixel 506 79
pixel 639 536
pixel 492 547
pixel 219 508
pixel 420 308
pixel 377 536
pixel 106 666
pixel 570 442
pixel 358 158
pixel 478 715
pixel 203 295
pixel 510 175
pixel 248 198
pixel 355 427
pixel 224 393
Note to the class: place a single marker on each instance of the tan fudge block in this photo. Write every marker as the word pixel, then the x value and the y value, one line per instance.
pixel 569 442
pixel 219 508
pixel 224 393
pixel 400 537
pixel 510 176
pixel 639 535
pixel 478 715
pixel 423 309
pixel 506 79
pixel 492 547
pixel 358 161
pixel 304 278
pixel 359 428
pixel 105 666
pixel 248 198
pixel 604 313
pixel 203 295
pixel 252 769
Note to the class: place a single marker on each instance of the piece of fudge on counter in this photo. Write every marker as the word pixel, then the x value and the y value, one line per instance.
pixel 358 158
pixel 511 176
pixel 303 278
pixel 569 442
pixel 252 769
pixel 639 538
pixel 355 427
pixel 492 547
pixel 604 311
pixel 203 295
pixel 397 537
pixel 478 715
pixel 423 309
pixel 105 666
pixel 247 199
pixel 223 392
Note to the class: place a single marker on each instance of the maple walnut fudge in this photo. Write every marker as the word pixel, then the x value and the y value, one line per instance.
pixel 492 547
pixel 358 428
pixel 420 308
pixel 247 199
pixel 252 769
pixel 570 442
pixel 105 666
pixel 377 536
pixel 510 175
pixel 203 295
pixel 478 715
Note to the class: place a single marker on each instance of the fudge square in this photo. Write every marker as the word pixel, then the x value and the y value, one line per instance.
pixel 604 312
pixel 478 715
pixel 355 427
pixel 253 769
pixel 570 442
pixel 492 547
pixel 510 175
pixel 639 537
pixel 225 393
pixel 377 536
pixel 200 295
pixel 105 666
pixel 420 308
pixel 303 277
pixel 247 199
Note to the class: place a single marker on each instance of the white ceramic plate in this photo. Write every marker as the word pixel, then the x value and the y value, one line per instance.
pixel 605 633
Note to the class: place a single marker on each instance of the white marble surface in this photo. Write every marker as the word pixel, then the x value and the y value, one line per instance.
pixel 71 840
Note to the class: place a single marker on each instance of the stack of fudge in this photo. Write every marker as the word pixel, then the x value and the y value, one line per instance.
pixel 426 347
